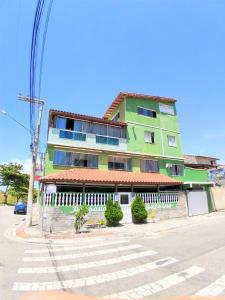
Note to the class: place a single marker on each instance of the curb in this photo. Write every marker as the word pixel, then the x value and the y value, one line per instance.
pixel 18 234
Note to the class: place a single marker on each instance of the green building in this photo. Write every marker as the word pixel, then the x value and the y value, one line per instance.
pixel 135 148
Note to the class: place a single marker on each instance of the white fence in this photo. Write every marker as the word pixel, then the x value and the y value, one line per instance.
pixel 76 199
pixel 100 199
pixel 166 197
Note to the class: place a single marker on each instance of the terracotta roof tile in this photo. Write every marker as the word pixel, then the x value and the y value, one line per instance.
pixel 121 97
pixel 53 112
pixel 99 176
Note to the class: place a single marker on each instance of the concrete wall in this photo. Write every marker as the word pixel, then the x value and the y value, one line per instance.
pixel 61 218
pixel 57 219
pixel 178 211
pixel 218 194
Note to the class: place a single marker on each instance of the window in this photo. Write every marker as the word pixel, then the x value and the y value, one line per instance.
pixel 106 140
pixel 171 140
pixel 101 129
pixel 149 137
pixel 64 123
pixel 75 159
pixel 119 163
pixel 176 170
pixel 66 134
pixel 146 112
pixel 116 117
pixel 166 109
pixel 150 166
pixel 60 123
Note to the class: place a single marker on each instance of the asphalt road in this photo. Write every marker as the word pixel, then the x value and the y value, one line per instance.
pixel 188 260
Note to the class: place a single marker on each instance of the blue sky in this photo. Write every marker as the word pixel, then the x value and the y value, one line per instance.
pixel 95 49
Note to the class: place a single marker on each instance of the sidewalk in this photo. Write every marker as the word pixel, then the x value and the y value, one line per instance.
pixel 34 235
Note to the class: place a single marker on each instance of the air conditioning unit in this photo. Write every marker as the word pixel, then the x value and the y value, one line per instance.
pixel 168 165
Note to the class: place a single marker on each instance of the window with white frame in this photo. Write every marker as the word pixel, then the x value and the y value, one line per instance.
pixel 166 109
pixel 171 140
pixel 149 137
pixel 149 165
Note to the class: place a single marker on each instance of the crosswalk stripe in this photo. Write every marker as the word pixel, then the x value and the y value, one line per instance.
pixel 84 254
pixel 58 249
pixel 158 286
pixel 93 280
pixel 87 265
pixel 214 289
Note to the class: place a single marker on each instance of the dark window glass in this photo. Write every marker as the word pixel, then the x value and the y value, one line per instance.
pixel 176 170
pixel 69 124
pixel 124 199
pixel 75 159
pixel 150 166
pixel 72 135
pixel 146 112
pixel 119 163
pixel 107 140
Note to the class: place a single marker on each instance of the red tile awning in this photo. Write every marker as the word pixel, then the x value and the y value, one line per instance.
pixel 109 177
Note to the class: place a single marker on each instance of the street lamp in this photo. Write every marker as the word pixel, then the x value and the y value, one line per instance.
pixel 12 118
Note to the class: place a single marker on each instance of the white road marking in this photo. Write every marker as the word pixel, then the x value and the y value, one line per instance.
pixel 158 286
pixel 214 289
pixel 77 247
pixel 78 255
pixel 87 265
pixel 92 280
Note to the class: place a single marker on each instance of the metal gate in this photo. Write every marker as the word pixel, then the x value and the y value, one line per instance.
pixel 125 203
pixel 197 203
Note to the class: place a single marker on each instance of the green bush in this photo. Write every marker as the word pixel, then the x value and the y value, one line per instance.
pixel 113 213
pixel 138 210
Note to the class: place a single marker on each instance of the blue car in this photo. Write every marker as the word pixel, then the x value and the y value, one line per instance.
pixel 20 208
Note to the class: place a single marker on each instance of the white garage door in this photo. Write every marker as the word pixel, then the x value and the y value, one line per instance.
pixel 197 203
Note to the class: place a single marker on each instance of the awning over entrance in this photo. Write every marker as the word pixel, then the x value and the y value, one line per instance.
pixel 109 177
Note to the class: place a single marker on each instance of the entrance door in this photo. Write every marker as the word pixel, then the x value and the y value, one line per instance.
pixel 197 203
pixel 125 201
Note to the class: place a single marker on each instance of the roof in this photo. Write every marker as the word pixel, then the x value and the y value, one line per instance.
pixel 53 112
pixel 76 175
pixel 191 156
pixel 120 97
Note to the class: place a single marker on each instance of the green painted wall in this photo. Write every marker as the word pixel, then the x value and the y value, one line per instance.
pixel 190 174
pixel 161 126
pixel 199 175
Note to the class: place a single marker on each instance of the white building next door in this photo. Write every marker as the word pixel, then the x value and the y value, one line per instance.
pixel 125 203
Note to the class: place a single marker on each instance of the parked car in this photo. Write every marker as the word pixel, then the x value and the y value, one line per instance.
pixel 20 208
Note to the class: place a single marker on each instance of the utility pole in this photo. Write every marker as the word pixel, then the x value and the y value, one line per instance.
pixel 34 156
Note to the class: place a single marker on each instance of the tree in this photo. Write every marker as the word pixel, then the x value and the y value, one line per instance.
pixel 113 213
pixel 138 210
pixel 19 188
pixel 12 178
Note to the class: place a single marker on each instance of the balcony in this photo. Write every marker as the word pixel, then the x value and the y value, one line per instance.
pixel 85 140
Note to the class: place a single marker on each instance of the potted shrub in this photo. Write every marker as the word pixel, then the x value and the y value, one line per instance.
pixel 113 213
pixel 138 210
